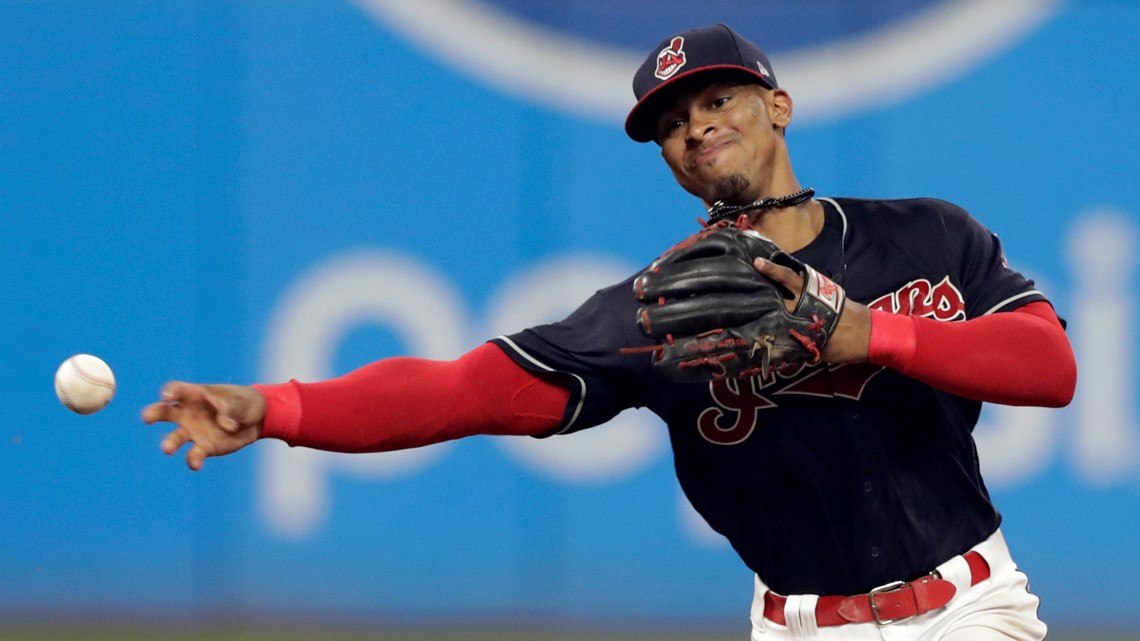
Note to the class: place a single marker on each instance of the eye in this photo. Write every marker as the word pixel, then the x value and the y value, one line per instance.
pixel 720 101
pixel 669 126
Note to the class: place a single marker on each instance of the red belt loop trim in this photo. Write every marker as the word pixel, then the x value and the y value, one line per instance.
pixel 885 604
pixel 979 569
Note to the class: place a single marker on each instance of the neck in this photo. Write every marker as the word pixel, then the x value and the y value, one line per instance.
pixel 722 211
pixel 791 228
pixel 791 220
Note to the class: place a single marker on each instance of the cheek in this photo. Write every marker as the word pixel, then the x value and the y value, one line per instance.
pixel 674 159
pixel 672 156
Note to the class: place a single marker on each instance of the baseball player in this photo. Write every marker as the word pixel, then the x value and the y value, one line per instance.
pixel 820 363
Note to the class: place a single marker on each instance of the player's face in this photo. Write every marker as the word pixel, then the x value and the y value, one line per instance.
pixel 724 141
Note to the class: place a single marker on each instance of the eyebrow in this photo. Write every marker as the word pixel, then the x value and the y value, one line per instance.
pixel 674 105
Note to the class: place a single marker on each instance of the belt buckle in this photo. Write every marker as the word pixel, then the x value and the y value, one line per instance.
pixel 886 587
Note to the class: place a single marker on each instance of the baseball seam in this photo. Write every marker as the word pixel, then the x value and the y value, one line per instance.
pixel 91 378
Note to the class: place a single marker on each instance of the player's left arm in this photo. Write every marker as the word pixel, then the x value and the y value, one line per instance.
pixel 1020 357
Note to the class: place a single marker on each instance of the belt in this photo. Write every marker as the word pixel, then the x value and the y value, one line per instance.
pixel 885 604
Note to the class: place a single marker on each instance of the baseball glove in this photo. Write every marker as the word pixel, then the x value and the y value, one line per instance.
pixel 716 317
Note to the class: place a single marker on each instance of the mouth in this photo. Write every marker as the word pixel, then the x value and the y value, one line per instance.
pixel 706 154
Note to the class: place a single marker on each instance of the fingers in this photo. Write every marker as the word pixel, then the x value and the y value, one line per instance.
pixel 175 440
pixel 185 404
pixel 157 412
pixel 177 396
pixel 224 413
pixel 221 411
pixel 167 409
pixel 780 274
pixel 196 457
pixel 226 421
pixel 790 280
pixel 179 392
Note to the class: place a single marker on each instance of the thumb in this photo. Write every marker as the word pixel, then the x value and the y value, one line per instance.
pixel 780 275
pixel 237 406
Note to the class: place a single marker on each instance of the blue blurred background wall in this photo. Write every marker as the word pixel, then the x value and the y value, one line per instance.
pixel 256 191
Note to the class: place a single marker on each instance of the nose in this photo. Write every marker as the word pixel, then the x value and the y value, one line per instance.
pixel 701 125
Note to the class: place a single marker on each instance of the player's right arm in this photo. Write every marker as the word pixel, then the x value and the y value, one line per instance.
pixel 395 403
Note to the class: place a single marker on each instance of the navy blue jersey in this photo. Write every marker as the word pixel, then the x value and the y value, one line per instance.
pixel 831 479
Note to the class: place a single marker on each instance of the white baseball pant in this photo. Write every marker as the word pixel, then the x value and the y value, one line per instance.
pixel 999 608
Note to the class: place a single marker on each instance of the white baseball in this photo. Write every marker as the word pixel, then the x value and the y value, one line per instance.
pixel 84 384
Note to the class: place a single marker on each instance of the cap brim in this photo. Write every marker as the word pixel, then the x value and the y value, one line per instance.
pixel 640 125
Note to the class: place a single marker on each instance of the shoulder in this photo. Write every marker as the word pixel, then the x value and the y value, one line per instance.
pixel 901 209
pixel 609 311
pixel 616 296
pixel 914 219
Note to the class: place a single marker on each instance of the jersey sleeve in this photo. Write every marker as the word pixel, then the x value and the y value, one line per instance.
pixel 585 349
pixel 989 284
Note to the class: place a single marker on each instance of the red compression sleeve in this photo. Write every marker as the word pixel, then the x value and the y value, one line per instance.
pixel 398 403
pixel 1018 358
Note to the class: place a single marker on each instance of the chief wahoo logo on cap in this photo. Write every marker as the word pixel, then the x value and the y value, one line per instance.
pixel 670 59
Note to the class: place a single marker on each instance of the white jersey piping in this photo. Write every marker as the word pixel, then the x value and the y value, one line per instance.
pixel 1010 300
pixel 991 310
pixel 842 215
pixel 581 381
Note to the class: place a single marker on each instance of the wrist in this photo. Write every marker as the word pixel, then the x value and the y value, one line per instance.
pixel 893 340
pixel 282 410
pixel 849 343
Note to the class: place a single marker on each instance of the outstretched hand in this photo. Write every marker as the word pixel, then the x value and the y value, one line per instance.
pixel 216 419
pixel 852 336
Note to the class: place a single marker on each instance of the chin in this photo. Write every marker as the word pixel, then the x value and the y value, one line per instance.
pixel 731 190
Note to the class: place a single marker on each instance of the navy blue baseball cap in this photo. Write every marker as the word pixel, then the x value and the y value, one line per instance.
pixel 684 55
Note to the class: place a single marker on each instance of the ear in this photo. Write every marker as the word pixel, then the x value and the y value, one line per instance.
pixel 780 108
